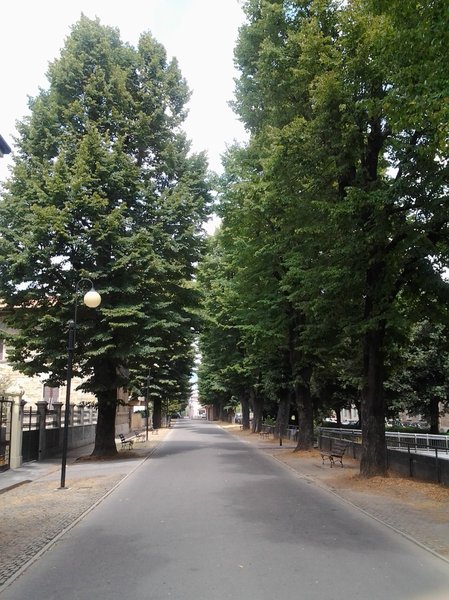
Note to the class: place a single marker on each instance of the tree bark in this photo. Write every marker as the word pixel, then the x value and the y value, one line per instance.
pixel 304 405
pixel 338 416
pixel 257 404
pixel 106 374
pixel 283 413
pixel 374 457
pixel 434 417
pixel 223 415
pixel 105 430
pixel 244 401
pixel 157 413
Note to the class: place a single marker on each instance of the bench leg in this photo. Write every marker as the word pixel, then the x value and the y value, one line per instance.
pixel 329 457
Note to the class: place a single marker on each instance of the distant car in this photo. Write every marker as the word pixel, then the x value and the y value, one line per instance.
pixel 418 424
pixel 175 416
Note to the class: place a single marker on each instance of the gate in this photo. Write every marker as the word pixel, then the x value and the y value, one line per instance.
pixel 5 433
pixel 30 435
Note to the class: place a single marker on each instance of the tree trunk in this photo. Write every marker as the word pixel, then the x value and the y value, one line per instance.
pixel 157 413
pixel 304 405
pixel 257 404
pixel 338 416
pixel 434 416
pixel 283 413
pixel 223 415
pixel 244 401
pixel 357 405
pixel 105 430
pixel 373 460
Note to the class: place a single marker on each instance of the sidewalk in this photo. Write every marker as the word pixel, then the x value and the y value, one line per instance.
pixel 416 510
pixel 36 511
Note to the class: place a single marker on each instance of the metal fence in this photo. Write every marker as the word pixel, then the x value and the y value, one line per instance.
pixel 394 439
pixel 289 433
pixel 79 415
pixel 419 455
pixel 417 441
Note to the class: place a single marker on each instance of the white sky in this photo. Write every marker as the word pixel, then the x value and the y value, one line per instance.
pixel 201 34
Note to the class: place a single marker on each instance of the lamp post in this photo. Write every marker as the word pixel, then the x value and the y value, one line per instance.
pixel 147 398
pixel 147 410
pixel 92 299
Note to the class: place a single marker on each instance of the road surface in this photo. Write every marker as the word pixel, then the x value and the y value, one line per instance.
pixel 209 517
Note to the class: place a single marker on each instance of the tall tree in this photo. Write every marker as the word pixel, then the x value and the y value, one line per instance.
pixel 419 383
pixel 356 173
pixel 222 374
pixel 103 187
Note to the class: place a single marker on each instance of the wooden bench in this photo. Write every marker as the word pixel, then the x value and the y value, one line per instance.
pixel 126 443
pixel 336 452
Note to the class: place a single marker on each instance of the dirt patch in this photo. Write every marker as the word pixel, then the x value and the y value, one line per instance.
pixel 119 456
pixel 139 450
pixel 400 487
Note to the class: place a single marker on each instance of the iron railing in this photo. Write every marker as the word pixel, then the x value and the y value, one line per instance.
pixel 395 439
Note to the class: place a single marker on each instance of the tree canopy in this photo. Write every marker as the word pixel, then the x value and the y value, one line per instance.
pixel 336 211
pixel 104 187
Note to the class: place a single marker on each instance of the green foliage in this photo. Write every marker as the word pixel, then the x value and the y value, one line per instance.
pixel 104 187
pixel 221 373
pixel 421 385
pixel 335 215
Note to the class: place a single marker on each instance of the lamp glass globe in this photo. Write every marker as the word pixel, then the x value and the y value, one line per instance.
pixel 92 299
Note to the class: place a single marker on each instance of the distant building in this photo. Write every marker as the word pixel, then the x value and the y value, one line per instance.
pixel 194 407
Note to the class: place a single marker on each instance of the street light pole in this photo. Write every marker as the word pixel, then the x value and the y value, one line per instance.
pixel 147 409
pixel 147 398
pixel 92 299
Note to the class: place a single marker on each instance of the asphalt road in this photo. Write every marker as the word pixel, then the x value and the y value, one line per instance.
pixel 208 517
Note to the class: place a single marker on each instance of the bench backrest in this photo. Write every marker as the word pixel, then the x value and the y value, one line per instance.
pixel 339 447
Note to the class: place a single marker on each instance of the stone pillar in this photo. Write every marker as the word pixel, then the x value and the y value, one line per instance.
pixel 57 406
pixel 72 415
pixel 15 449
pixel 42 410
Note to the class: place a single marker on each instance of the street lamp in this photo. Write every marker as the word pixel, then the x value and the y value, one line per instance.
pixel 147 399
pixel 92 299
pixel 147 402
